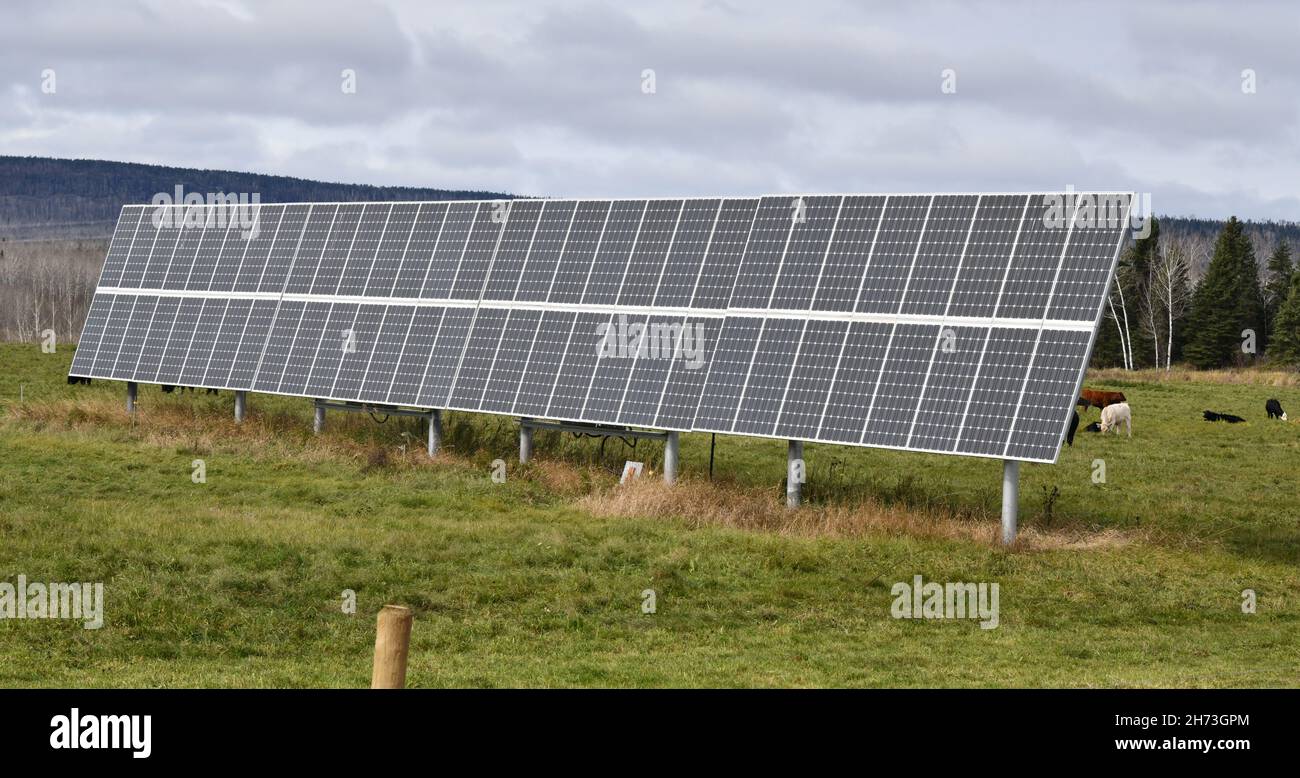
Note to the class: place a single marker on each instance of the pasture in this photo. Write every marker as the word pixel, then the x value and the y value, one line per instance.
pixel 538 581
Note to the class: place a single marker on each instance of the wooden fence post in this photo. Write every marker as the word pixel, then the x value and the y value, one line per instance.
pixel 392 640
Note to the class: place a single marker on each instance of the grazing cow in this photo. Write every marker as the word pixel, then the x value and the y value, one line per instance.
pixel 1074 427
pixel 1274 409
pixel 1094 427
pixel 1114 415
pixel 1228 417
pixel 1095 398
pixel 76 379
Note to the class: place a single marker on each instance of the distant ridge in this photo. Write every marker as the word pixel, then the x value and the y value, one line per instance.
pixel 41 197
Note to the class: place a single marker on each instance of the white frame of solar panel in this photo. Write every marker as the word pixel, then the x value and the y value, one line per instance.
pixel 685 313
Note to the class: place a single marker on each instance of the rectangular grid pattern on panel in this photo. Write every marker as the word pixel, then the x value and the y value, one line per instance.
pixel 84 358
pixel 208 253
pixel 689 241
pixel 257 253
pixel 517 339
pixel 769 374
pixel 386 353
pixel 988 252
pixel 453 237
pixel 579 253
pixel 653 240
pixel 279 346
pixel 898 390
pixel 476 362
pixel 768 237
pixel 811 379
pixel 857 370
pixel 544 255
pixel 284 249
pixel 416 351
pixel 647 383
pixel 866 293
pixel 728 370
pixel 545 355
pixel 614 252
pixel 995 393
pixel 489 222
pixel 142 243
pixel 417 257
pixel 516 240
pixel 311 245
pixel 133 338
pixel 1049 386
pixel 178 341
pixel 580 357
pixel 848 253
pixel 1086 270
pixel 625 337
pixel 939 256
pixel 726 247
pixel 120 245
pixel 893 254
pixel 679 403
pixel 251 344
pixel 801 265
pixel 302 353
pixel 392 247
pixel 943 403
pixel 187 247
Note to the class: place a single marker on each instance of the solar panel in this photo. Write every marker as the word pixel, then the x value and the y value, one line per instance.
pixel 955 323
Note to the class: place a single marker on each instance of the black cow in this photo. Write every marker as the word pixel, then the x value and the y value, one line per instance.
pixel 1274 409
pixel 1228 417
pixel 1094 427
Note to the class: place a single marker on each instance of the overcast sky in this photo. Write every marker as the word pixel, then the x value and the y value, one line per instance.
pixel 550 98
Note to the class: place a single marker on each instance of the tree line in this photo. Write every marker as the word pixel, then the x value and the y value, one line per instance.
pixel 1233 315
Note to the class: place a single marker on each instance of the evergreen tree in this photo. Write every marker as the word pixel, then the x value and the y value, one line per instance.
pixel 1286 327
pixel 1227 302
pixel 1278 283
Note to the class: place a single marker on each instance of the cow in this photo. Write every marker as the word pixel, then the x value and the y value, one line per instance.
pixel 1228 417
pixel 1114 415
pixel 1074 427
pixel 77 379
pixel 1096 398
pixel 168 389
pixel 1274 409
pixel 1094 427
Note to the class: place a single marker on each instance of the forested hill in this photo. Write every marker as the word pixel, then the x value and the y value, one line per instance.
pixel 81 198
pixel 46 198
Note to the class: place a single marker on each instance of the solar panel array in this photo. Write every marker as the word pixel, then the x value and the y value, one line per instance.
pixel 956 323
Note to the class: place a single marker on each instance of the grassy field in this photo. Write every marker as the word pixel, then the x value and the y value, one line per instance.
pixel 538 581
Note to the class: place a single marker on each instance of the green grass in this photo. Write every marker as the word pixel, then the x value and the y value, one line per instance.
pixel 237 582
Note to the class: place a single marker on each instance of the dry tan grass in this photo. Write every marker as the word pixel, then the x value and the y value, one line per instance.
pixel 697 503
pixel 1184 375
pixel 703 504
pixel 170 424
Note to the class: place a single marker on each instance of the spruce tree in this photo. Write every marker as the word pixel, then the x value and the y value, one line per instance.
pixel 1285 348
pixel 1277 282
pixel 1227 302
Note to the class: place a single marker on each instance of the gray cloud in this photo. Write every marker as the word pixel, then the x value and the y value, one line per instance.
pixel 547 99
